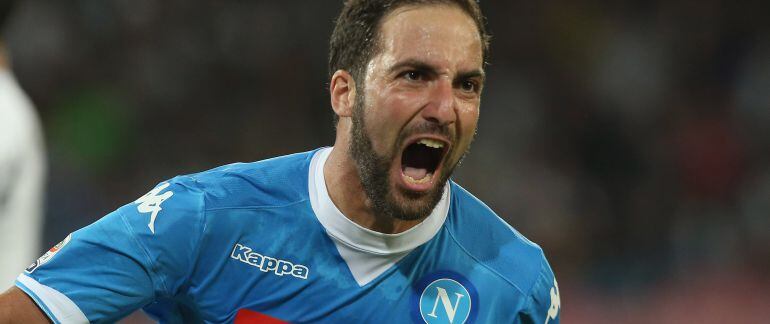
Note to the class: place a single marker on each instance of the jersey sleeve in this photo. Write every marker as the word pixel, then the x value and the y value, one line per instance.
pixel 141 252
pixel 544 303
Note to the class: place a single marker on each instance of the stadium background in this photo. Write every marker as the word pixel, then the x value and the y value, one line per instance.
pixel 631 140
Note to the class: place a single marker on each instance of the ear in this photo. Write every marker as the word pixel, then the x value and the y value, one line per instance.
pixel 343 93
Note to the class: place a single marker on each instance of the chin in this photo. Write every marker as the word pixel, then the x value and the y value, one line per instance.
pixel 414 205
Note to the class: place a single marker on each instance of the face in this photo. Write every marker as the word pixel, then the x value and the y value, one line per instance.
pixel 417 114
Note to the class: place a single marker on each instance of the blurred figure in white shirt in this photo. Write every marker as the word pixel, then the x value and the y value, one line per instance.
pixel 22 171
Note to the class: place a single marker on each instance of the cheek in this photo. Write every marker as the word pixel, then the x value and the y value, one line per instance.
pixel 470 107
pixel 401 105
pixel 386 114
pixel 394 109
pixel 469 118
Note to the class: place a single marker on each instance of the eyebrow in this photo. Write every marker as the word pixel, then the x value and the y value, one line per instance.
pixel 424 66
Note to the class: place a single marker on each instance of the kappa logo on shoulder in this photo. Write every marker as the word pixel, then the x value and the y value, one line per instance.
pixel 150 203
pixel 553 311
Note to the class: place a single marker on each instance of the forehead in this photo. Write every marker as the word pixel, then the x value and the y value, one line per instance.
pixel 443 35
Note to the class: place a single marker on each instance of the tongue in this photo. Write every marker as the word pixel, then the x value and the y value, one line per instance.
pixel 415 173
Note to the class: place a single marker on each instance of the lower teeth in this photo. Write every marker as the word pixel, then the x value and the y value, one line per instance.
pixel 420 181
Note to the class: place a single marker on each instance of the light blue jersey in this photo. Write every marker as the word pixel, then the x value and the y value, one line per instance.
pixel 262 242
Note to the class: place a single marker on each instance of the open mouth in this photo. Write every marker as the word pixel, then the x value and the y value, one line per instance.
pixel 421 159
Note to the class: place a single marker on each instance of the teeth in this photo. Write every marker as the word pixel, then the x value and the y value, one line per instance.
pixel 421 181
pixel 431 143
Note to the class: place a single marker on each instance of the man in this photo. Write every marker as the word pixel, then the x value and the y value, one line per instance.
pixel 22 171
pixel 367 231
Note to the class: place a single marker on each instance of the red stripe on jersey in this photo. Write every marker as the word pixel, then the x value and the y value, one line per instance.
pixel 246 316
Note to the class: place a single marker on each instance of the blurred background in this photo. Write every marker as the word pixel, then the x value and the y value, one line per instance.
pixel 630 140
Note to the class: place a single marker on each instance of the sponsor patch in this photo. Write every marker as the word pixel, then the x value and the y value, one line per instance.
pixel 48 255
pixel 247 316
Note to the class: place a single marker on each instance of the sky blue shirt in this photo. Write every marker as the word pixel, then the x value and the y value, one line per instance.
pixel 263 240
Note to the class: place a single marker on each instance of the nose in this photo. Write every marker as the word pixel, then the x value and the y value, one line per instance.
pixel 441 106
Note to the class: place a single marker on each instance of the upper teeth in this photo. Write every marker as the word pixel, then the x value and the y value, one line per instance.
pixel 431 143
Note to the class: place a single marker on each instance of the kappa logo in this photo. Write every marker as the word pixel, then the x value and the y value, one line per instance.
pixel 268 264
pixel 48 255
pixel 445 301
pixel 150 203
pixel 553 311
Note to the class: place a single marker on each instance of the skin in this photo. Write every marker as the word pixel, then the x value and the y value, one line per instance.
pixel 427 74
pixel 428 71
pixel 17 307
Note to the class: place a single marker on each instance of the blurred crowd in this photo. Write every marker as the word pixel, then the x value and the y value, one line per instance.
pixel 630 139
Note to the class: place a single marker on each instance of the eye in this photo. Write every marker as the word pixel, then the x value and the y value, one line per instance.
pixel 413 75
pixel 469 86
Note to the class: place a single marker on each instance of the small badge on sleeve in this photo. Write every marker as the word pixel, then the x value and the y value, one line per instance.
pixel 48 255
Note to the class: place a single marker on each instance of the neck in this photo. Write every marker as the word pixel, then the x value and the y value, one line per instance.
pixel 344 186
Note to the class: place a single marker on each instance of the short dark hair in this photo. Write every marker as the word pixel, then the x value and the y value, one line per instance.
pixel 356 30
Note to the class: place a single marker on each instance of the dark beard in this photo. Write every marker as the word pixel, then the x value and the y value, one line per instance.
pixel 373 170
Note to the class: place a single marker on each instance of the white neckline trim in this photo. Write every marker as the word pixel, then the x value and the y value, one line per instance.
pixel 349 233
pixel 367 253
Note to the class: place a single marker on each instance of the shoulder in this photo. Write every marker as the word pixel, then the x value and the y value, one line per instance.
pixel 185 200
pixel 273 182
pixel 500 248
pixel 494 243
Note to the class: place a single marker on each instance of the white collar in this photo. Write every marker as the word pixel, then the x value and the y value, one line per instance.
pixel 345 231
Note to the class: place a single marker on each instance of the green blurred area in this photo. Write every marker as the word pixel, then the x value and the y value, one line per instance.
pixel 91 127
